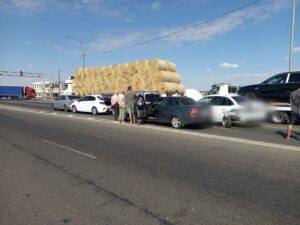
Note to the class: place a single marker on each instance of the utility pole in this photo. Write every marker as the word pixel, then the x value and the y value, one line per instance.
pixel 291 62
pixel 58 73
pixel 80 42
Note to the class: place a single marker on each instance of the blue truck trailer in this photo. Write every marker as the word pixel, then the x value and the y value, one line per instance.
pixel 17 92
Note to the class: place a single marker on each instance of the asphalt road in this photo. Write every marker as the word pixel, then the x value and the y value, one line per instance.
pixel 58 168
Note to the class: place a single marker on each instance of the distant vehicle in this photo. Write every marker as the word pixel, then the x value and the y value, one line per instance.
pixel 64 102
pixel 93 104
pixel 194 94
pixel 17 92
pixel 234 108
pixel 177 111
pixel 275 89
pixel 68 86
pixel 223 89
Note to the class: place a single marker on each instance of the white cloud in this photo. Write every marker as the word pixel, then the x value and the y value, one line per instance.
pixel 155 5
pixel 208 69
pixel 228 65
pixel 204 82
pixel 297 49
pixel 30 65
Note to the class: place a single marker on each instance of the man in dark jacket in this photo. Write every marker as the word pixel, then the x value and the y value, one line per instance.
pixel 295 111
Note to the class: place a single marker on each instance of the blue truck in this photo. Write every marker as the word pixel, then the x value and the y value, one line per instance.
pixel 17 92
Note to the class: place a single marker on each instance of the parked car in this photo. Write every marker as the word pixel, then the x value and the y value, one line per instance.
pixel 149 97
pixel 93 104
pixel 234 108
pixel 177 111
pixel 64 102
pixel 275 89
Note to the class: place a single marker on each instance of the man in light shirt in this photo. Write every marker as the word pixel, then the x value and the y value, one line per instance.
pixel 115 105
pixel 122 106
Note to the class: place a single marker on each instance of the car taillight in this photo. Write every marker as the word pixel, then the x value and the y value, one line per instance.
pixel 194 112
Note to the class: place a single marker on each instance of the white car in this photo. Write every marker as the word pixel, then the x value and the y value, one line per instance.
pixel 233 107
pixel 93 104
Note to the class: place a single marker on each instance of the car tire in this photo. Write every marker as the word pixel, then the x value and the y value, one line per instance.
pixel 74 109
pixel 65 108
pixel 94 111
pixel 176 122
pixel 250 95
pixel 52 106
pixel 226 122
pixel 279 117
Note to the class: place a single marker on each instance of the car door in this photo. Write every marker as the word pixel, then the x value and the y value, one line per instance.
pixel 56 102
pixel 81 105
pixel 62 101
pixel 291 85
pixel 273 88
pixel 220 106
pixel 90 103
pixel 166 110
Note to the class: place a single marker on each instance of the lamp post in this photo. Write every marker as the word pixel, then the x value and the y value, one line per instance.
pixel 58 73
pixel 80 42
pixel 291 61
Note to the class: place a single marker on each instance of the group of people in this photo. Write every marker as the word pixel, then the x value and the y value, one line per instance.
pixel 120 102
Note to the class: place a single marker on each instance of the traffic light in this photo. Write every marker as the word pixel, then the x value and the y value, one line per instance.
pixel 21 73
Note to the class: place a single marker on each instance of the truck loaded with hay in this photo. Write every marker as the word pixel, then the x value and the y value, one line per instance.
pixel 146 75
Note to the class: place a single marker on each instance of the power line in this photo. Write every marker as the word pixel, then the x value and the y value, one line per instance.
pixel 178 31
pixel 72 65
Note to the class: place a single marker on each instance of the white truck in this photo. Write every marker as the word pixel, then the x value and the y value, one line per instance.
pixel 68 86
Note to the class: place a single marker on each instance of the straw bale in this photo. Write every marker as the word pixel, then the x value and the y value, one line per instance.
pixel 146 75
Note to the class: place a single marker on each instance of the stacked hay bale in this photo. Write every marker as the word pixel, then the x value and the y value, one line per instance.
pixel 146 75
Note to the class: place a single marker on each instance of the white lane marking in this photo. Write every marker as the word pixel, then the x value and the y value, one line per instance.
pixel 70 149
pixel 211 136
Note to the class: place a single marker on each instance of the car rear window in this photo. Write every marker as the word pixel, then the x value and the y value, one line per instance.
pixel 152 97
pixel 187 101
pixel 74 97
pixel 240 100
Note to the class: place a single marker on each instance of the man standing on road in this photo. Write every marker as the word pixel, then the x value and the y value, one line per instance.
pixel 295 111
pixel 115 105
pixel 122 105
pixel 130 96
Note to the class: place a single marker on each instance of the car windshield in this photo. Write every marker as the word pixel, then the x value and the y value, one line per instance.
pixel 240 100
pixel 152 97
pixel 187 101
pixel 74 97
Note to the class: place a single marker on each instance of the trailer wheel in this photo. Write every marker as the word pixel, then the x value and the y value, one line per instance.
pixel 279 117
pixel 226 122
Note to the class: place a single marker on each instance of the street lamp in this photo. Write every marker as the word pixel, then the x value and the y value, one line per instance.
pixel 58 73
pixel 292 38
pixel 80 42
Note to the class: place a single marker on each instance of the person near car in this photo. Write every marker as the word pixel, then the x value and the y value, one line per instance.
pixel 122 106
pixel 130 98
pixel 295 111
pixel 176 94
pixel 115 105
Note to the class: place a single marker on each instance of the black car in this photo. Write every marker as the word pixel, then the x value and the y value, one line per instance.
pixel 177 111
pixel 275 89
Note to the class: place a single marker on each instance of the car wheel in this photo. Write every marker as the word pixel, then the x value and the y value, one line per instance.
pixel 176 122
pixel 65 108
pixel 52 106
pixel 226 122
pixel 250 95
pixel 279 117
pixel 94 111
pixel 74 109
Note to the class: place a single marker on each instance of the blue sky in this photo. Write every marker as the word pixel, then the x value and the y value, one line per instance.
pixel 242 48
